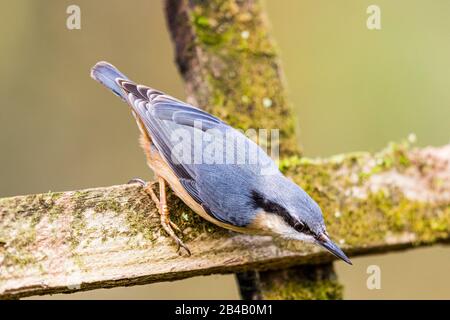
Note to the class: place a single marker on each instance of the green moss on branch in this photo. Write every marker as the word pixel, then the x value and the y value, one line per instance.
pixel 231 68
pixel 396 198
pixel 359 210
pixel 308 282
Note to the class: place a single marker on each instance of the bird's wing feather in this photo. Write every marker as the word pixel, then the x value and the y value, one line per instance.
pixel 222 189
pixel 211 186
pixel 162 115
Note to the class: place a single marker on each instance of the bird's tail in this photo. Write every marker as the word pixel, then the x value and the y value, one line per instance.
pixel 108 75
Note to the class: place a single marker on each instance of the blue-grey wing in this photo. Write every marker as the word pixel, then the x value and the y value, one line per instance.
pixel 217 165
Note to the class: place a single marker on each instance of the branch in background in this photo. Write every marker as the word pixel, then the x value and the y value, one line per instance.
pixel 230 65
pixel 108 237
pixel 304 282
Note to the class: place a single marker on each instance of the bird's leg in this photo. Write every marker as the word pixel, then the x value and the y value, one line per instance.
pixel 161 203
pixel 148 188
pixel 165 220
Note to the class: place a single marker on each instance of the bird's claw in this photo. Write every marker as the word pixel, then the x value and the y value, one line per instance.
pixel 173 225
pixel 180 245
pixel 166 223
pixel 138 181
pixel 168 226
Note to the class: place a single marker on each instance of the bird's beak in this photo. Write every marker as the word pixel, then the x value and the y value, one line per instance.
pixel 324 241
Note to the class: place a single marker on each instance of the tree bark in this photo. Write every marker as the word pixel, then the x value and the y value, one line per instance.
pixel 304 282
pixel 230 65
pixel 107 237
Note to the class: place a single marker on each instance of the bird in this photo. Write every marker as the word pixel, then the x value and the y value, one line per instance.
pixel 229 181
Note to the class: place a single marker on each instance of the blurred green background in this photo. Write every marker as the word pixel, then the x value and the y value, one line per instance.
pixel 352 88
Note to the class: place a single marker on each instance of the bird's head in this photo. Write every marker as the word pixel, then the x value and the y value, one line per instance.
pixel 289 212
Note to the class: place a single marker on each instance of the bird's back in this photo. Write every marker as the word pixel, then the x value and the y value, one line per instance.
pixel 217 165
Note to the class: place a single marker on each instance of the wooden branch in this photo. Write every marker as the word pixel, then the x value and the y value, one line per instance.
pixel 304 282
pixel 107 237
pixel 230 65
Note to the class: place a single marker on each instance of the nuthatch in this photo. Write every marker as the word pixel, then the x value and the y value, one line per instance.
pixel 247 196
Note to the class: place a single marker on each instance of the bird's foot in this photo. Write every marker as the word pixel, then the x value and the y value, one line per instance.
pixel 166 223
pixel 139 181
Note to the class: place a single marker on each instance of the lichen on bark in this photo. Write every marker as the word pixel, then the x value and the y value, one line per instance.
pixel 105 237
pixel 231 67
pixel 360 209
pixel 308 282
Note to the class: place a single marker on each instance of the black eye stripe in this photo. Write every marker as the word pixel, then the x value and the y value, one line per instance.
pixel 260 202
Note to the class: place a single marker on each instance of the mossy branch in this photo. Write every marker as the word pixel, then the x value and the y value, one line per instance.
pixel 230 64
pixel 107 237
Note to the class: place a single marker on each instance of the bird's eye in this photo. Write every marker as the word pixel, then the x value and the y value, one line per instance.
pixel 300 227
pixel 303 228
